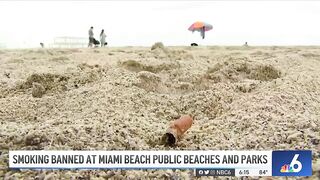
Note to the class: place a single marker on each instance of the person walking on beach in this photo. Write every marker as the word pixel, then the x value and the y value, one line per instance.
pixel 102 38
pixel 91 38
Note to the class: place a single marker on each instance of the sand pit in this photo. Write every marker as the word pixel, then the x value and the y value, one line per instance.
pixel 257 98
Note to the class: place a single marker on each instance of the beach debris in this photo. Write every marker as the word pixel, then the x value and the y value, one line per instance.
pixel 38 90
pixel 176 129
pixel 157 45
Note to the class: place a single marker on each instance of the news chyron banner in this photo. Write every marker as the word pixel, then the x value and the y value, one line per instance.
pixel 205 163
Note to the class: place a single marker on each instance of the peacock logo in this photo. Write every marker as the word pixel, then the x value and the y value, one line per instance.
pixel 293 167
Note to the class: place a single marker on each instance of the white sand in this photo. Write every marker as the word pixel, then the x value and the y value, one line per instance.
pixel 259 98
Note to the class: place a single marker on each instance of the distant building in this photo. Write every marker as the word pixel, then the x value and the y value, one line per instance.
pixel 70 42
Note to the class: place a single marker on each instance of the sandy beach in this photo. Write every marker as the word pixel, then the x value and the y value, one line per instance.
pixel 241 98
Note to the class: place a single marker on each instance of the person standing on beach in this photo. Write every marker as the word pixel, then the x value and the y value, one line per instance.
pixel 203 29
pixel 102 38
pixel 91 38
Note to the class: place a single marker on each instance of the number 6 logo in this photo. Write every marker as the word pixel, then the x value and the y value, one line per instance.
pixel 297 163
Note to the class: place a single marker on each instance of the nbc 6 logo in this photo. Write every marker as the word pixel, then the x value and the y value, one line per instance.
pixel 296 162
pixel 292 163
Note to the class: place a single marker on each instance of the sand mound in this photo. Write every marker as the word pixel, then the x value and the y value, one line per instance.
pixel 38 90
pixel 310 55
pixel 184 87
pixel 149 81
pixel 34 138
pixel 262 55
pixel 235 71
pixel 157 45
pixel 51 82
pixel 159 53
pixel 171 54
pixel 180 55
pixel 88 74
pixel 264 73
pixel 136 66
pixel 247 86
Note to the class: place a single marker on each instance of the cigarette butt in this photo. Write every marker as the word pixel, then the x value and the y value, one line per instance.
pixel 176 129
